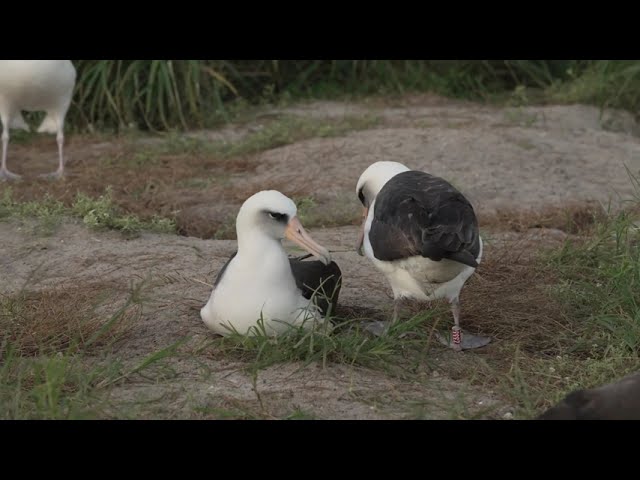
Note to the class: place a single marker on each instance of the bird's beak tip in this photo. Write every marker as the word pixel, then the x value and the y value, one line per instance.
pixel 325 257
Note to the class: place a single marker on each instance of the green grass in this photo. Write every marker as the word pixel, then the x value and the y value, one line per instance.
pixel 48 347
pixel 181 94
pixel 607 83
pixel 48 211
pixel 65 386
pixel 50 387
pixel 101 213
pixel 154 94
pixel 533 383
pixel 60 356
pixel 598 285
pixel 345 342
pixel 601 280
pixel 408 352
pixel 96 213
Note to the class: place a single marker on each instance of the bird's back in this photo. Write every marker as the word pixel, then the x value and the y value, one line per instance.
pixel 618 400
pixel 416 213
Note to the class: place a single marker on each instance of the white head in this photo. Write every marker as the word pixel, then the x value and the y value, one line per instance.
pixel 374 178
pixel 370 183
pixel 271 215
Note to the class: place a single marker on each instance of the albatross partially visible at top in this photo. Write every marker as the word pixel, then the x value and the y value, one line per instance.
pixel 423 235
pixel 260 281
pixel 35 85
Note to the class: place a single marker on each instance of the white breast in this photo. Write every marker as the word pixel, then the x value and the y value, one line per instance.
pixel 247 293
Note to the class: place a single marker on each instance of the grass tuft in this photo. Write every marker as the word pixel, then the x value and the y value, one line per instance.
pixel 51 345
pixel 97 213
pixel 346 342
pixel 101 213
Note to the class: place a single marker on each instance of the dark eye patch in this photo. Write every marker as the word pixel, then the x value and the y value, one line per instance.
pixel 361 196
pixel 279 217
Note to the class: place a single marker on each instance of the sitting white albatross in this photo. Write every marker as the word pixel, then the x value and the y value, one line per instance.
pixel 423 235
pixel 35 85
pixel 260 281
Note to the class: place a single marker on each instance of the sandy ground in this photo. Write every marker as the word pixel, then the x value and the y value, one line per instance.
pixel 515 158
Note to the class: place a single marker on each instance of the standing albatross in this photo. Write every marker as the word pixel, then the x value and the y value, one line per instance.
pixel 260 281
pixel 35 85
pixel 423 235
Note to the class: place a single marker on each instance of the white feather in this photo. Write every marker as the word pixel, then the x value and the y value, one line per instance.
pixel 258 283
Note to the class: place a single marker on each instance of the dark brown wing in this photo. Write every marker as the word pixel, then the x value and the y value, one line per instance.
pixel 224 267
pixel 619 400
pixel 419 214
pixel 313 276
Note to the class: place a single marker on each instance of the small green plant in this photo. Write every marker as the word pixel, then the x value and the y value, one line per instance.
pixel 101 213
pixel 47 207
pixel 48 211
pixel 304 206
pixel 96 213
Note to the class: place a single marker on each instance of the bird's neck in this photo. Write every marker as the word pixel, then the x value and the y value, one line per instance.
pixel 256 247
pixel 266 259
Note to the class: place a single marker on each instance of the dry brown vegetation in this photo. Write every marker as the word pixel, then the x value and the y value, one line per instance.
pixel 64 319
pixel 573 218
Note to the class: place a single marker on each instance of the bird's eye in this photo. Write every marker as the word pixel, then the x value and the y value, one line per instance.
pixel 280 217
